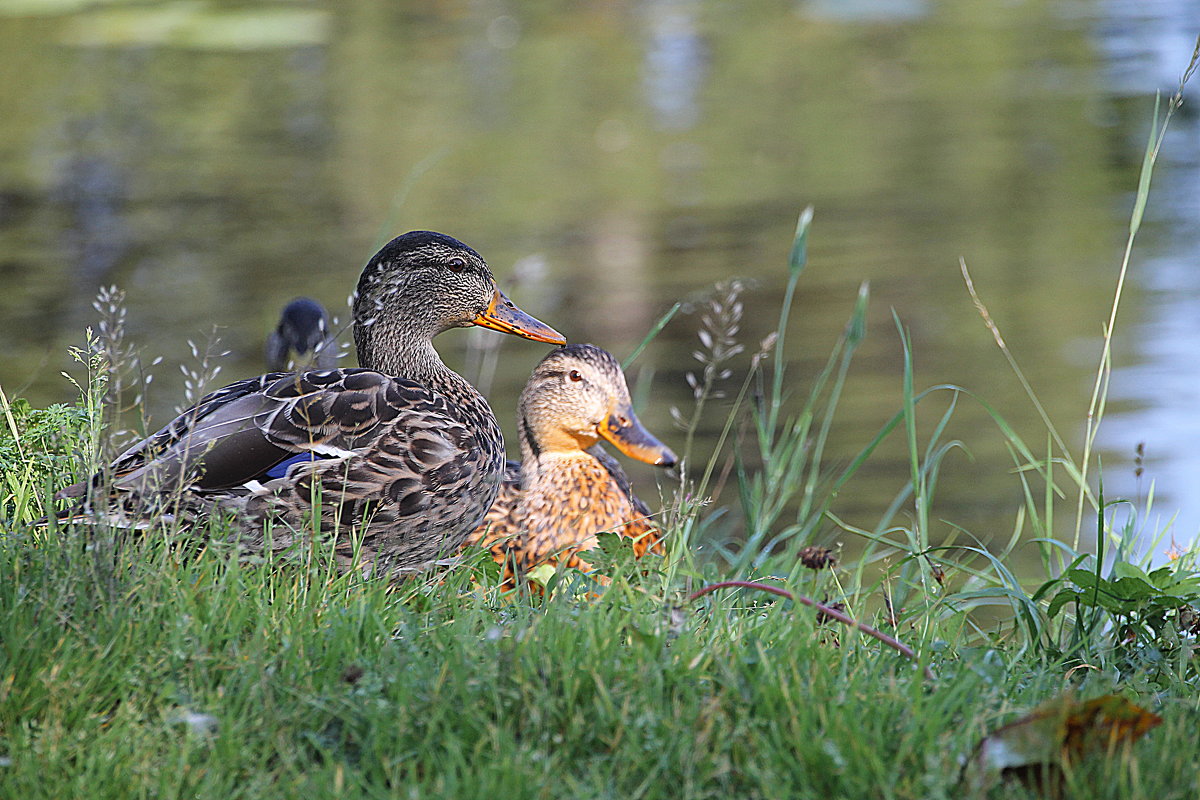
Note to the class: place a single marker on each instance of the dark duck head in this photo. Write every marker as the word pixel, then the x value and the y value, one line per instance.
pixel 302 338
pixel 422 284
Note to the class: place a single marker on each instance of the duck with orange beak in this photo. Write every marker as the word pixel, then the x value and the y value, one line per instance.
pixel 566 488
pixel 399 460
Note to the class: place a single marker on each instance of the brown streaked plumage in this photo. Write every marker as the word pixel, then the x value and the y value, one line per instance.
pixel 566 489
pixel 402 457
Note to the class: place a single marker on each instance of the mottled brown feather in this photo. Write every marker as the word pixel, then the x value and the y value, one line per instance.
pixel 566 489
pixel 409 456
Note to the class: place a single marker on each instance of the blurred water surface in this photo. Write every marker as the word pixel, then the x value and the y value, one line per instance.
pixel 215 159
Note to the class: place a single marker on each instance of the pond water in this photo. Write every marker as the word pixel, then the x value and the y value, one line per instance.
pixel 214 160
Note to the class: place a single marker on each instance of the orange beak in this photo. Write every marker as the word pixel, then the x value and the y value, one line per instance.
pixel 628 435
pixel 503 315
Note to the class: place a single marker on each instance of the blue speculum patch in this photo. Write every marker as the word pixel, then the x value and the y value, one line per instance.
pixel 280 469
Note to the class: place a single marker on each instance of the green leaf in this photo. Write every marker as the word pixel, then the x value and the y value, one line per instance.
pixel 1139 205
pixel 1123 569
pixel 1162 577
pixel 1085 579
pixel 1133 589
pixel 1189 587
pixel 655 329
pixel 1059 600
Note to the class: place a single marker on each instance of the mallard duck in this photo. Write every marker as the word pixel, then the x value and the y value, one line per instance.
pixel 302 332
pixel 566 488
pixel 402 457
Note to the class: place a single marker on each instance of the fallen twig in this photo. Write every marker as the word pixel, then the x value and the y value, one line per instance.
pixel 841 617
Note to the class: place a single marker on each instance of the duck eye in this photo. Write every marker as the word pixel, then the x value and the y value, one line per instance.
pixel 574 375
pixel 456 264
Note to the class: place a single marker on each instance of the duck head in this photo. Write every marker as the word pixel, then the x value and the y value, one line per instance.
pixel 303 329
pixel 423 283
pixel 576 396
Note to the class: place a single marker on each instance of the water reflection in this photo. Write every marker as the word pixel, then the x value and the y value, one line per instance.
pixel 487 54
pixel 1157 384
pixel 1145 44
pixel 625 155
pixel 92 191
pixel 865 10
pixel 675 64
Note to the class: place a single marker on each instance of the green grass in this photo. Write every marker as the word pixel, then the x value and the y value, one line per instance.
pixel 159 664
pixel 302 683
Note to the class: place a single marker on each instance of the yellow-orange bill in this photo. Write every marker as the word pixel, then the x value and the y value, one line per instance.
pixel 628 435
pixel 503 315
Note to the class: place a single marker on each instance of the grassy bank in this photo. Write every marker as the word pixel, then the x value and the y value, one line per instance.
pixel 136 669
pixel 161 664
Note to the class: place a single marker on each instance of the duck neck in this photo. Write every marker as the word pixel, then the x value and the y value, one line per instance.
pixel 415 359
pixel 530 451
pixel 410 354
pixel 541 456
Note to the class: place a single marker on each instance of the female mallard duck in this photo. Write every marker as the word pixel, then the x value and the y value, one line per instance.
pixel 566 488
pixel 303 331
pixel 401 457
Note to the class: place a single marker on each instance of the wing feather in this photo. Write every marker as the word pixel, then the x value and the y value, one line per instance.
pixel 236 434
